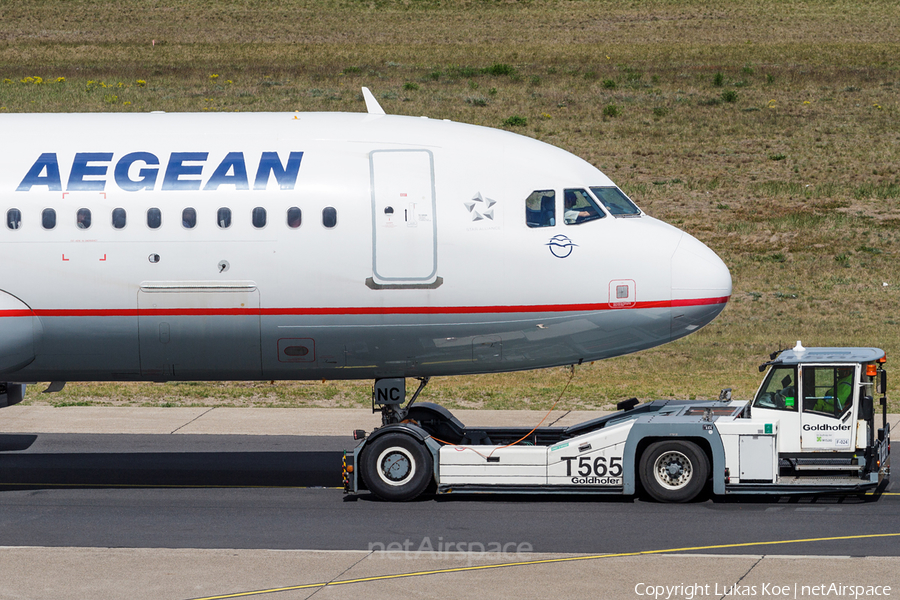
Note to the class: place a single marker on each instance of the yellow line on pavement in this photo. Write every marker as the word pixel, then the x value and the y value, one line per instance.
pixel 541 562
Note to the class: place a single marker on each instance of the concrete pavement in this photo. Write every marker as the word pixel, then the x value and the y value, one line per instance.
pixel 242 421
pixel 252 421
pixel 156 573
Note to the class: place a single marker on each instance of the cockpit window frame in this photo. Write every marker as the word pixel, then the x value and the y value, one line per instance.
pixel 580 207
pixel 540 209
pixel 616 209
pixel 779 389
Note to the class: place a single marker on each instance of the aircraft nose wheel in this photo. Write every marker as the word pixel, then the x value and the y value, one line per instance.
pixel 673 471
pixel 396 467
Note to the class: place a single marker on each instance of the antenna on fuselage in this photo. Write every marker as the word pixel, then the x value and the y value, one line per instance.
pixel 372 106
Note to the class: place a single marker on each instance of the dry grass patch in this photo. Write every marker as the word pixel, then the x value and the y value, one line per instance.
pixel 766 128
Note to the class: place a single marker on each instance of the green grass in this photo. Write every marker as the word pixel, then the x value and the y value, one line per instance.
pixel 773 140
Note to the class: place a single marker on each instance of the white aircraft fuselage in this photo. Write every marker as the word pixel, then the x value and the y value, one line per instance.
pixel 168 247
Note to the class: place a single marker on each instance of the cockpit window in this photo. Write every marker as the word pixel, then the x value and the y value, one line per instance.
pixel 616 202
pixel 580 208
pixel 540 208
pixel 779 390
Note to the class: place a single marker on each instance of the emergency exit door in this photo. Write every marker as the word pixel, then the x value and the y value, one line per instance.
pixel 404 229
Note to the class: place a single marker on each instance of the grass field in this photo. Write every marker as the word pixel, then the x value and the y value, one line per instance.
pixel 768 129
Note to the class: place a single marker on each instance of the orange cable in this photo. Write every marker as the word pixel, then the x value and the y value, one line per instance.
pixel 571 376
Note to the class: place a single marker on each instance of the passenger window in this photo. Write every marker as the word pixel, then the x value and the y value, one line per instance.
pixel 154 218
pixel 294 217
pixel 329 217
pixel 580 208
pixel 118 218
pixel 616 202
pixel 540 209
pixel 83 218
pixel 48 218
pixel 223 218
pixel 259 217
pixel 13 218
pixel 188 218
pixel 779 390
pixel 828 390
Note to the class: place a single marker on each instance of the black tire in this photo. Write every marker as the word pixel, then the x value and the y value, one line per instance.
pixel 673 471
pixel 396 467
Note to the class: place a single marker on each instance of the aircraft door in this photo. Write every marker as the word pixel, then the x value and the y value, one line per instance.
pixel 404 228
pixel 199 330
pixel 828 407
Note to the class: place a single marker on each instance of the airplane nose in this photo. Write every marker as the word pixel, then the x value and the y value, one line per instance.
pixel 698 272
pixel 701 285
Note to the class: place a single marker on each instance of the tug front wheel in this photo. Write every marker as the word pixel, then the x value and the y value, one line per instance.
pixel 396 467
pixel 673 471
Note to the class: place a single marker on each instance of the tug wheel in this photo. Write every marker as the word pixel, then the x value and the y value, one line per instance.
pixel 396 467
pixel 673 471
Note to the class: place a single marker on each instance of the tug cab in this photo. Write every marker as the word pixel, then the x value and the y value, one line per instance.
pixel 823 401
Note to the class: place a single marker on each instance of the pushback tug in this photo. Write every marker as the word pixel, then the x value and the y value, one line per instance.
pixel 810 429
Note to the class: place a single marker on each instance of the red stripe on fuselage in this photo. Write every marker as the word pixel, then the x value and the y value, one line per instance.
pixel 363 310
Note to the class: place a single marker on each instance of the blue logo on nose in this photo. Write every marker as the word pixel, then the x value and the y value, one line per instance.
pixel 561 246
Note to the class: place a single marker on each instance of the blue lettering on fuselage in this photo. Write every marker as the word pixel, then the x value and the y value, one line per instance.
pixel 138 171
pixel 146 176
pixel 178 169
pixel 82 167
pixel 232 163
pixel 44 171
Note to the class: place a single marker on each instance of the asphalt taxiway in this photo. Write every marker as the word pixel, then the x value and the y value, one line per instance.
pixel 201 503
